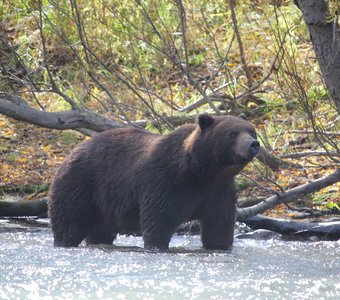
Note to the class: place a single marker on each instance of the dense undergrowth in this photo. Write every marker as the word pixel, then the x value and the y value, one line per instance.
pixel 135 60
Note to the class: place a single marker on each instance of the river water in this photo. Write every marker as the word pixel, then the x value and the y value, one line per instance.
pixel 31 268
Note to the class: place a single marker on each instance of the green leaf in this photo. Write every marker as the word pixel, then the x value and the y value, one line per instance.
pixel 333 205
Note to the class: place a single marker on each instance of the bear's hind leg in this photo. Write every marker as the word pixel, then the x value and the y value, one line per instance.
pixel 71 214
pixel 72 238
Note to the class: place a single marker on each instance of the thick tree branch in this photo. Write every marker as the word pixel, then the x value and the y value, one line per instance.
pixel 87 122
pixel 289 196
pixel 15 107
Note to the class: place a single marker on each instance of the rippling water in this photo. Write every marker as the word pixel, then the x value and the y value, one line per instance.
pixel 30 268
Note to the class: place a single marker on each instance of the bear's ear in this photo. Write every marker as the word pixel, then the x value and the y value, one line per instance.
pixel 204 121
pixel 242 116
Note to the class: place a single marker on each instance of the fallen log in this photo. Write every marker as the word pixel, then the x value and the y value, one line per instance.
pixel 24 208
pixel 249 201
pixel 328 230
pixel 287 196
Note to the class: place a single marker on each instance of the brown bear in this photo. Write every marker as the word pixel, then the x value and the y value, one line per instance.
pixel 128 180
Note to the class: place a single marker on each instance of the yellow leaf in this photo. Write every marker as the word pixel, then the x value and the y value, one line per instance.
pixel 9 132
pixel 21 160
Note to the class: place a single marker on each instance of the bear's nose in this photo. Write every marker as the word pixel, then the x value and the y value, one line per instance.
pixel 254 147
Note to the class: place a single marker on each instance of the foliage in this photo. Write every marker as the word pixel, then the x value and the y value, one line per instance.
pixel 121 36
pixel 28 156
pixel 147 59
pixel 334 10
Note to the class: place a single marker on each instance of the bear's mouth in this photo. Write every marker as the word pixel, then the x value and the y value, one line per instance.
pixel 240 159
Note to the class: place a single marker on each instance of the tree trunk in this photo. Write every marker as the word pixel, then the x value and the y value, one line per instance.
pixel 326 42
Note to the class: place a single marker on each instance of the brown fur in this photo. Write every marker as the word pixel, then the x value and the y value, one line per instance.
pixel 126 180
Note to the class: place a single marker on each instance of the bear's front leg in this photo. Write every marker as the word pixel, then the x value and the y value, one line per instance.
pixel 217 229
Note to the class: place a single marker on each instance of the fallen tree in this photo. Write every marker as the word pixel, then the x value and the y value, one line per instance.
pixel 324 230
pixel 291 195
pixel 26 208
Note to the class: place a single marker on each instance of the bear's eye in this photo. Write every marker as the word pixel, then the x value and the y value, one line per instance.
pixel 232 134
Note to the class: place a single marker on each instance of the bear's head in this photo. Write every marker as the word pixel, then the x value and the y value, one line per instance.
pixel 227 140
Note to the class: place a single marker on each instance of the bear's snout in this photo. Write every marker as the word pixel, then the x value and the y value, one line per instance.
pixel 254 147
pixel 247 147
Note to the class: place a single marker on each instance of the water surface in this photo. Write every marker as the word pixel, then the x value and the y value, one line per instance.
pixel 31 268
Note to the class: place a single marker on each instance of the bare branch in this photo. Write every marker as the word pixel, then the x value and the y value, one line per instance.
pixel 15 107
pixel 243 95
pixel 174 120
pixel 202 100
pixel 335 134
pixel 240 44
pixel 289 196
pixel 55 87
pixel 182 15
pixel 309 153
